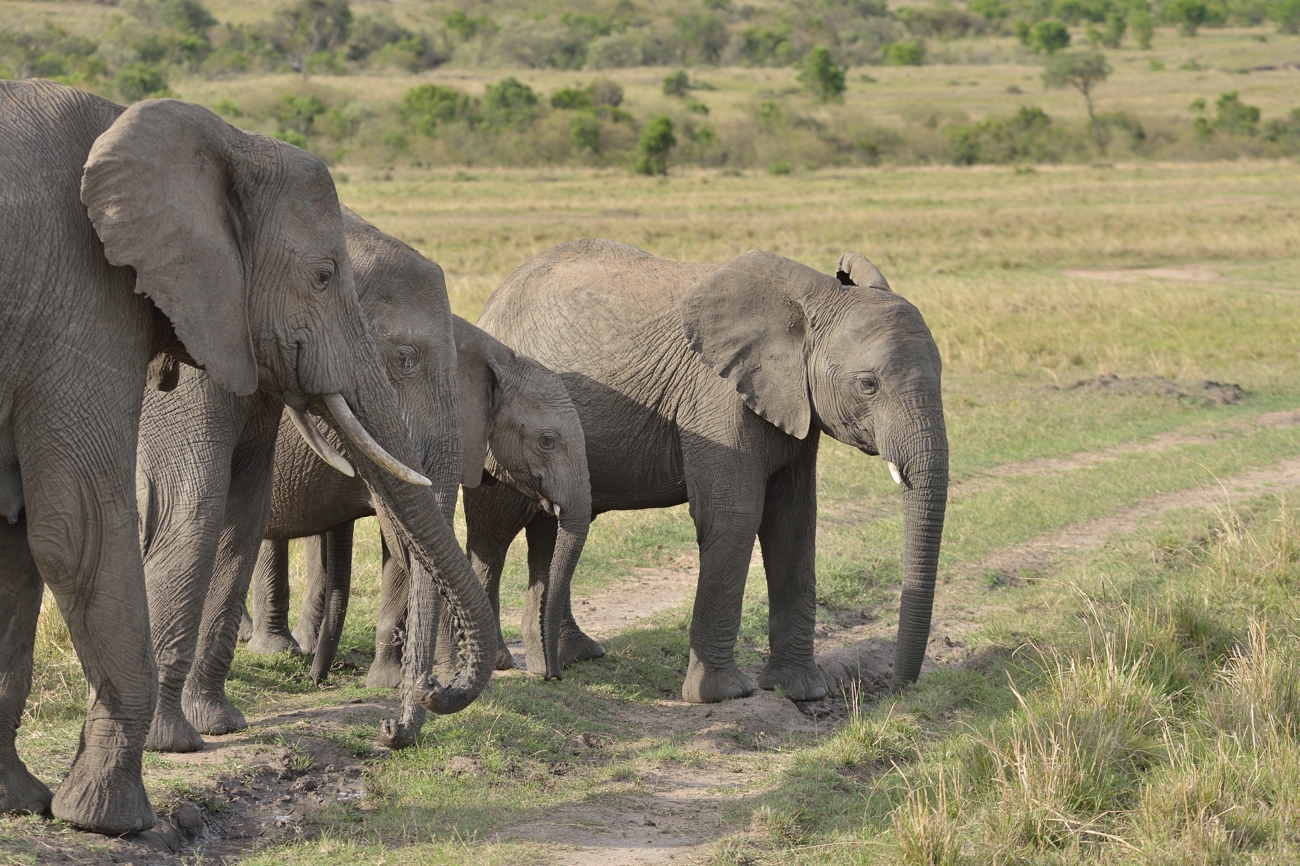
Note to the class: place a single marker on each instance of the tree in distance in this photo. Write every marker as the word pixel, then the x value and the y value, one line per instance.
pixel 821 77
pixel 1045 37
pixel 653 146
pixel 677 83
pixel 1082 70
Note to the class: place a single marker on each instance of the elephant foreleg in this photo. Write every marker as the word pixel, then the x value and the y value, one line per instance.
pixel 788 537
pixel 494 515
pixel 20 599
pixel 271 600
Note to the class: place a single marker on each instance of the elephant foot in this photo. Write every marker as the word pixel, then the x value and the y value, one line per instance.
pixel 21 793
pixel 709 685
pixel 306 640
pixel 577 647
pixel 269 641
pixel 505 661
pixel 213 714
pixel 394 735
pixel 246 627
pixel 104 793
pixel 797 682
pixel 384 673
pixel 171 732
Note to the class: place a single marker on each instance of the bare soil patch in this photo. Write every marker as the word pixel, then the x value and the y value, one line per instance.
pixel 1181 273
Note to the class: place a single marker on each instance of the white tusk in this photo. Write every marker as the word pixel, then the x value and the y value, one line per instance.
pixel 318 443
pixel 352 428
pixel 894 473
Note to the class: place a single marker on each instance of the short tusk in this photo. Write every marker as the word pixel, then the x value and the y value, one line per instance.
pixel 895 473
pixel 352 428
pixel 318 443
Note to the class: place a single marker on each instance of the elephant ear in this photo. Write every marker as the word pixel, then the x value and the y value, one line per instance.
pixel 161 190
pixel 477 390
pixel 746 321
pixel 855 269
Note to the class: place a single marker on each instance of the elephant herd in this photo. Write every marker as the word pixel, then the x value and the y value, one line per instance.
pixel 206 355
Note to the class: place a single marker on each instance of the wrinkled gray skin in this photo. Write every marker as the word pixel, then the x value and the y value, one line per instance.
pixel 711 385
pixel 205 485
pixel 520 429
pixel 134 239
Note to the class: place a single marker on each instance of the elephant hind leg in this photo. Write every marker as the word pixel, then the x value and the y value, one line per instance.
pixel 386 669
pixel 270 622
pixel 84 537
pixel 20 599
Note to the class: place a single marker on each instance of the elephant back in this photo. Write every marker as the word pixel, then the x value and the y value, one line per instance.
pixel 590 291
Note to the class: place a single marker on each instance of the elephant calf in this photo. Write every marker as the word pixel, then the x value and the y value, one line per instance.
pixel 520 429
pixel 711 385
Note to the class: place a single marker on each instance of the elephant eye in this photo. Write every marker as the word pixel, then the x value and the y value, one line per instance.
pixel 324 276
pixel 407 358
pixel 869 385
pixel 547 441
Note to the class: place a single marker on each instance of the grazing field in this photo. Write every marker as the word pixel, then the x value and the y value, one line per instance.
pixel 1113 670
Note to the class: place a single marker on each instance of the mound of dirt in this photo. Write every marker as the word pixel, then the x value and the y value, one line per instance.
pixel 1204 391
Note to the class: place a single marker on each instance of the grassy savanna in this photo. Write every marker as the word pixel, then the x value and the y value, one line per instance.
pixel 1127 703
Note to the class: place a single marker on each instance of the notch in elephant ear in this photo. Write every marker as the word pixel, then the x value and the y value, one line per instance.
pixel 855 269
pixel 160 186
pixel 747 322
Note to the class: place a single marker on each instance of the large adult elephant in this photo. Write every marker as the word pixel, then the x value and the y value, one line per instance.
pixel 205 485
pixel 710 385
pixel 133 238
pixel 519 429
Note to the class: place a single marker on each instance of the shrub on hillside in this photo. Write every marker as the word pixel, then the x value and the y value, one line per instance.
pixel 654 145
pixel 429 106
pixel 1023 137
pixel 905 53
pixel 136 81
pixel 509 102
pixel 820 76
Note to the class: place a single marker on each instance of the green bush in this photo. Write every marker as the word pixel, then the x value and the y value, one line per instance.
pixel 653 146
pixel 427 106
pixel 136 81
pixel 677 83
pixel 1187 14
pixel 1024 137
pixel 904 53
pixel 572 99
pixel 1287 15
pixel 1045 37
pixel 821 77
pixel 299 113
pixel 1139 19
pixel 1235 117
pixel 509 102
pixel 584 133
pixel 991 10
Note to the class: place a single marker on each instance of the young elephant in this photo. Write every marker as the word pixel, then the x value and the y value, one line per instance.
pixel 520 429
pixel 710 385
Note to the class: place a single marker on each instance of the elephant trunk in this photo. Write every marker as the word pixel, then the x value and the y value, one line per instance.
pixel 924 468
pixel 437 566
pixel 569 541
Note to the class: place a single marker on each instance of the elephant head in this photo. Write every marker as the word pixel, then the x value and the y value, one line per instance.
pixel 238 240
pixel 847 355
pixel 521 429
